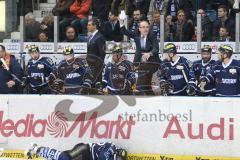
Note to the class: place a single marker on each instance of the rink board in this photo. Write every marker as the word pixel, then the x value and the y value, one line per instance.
pixel 171 126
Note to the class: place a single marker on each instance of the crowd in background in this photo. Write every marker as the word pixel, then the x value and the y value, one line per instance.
pixel 218 19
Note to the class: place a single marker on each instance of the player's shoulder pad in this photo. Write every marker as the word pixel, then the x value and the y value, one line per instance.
pixel 62 62
pixel 188 62
pixel 48 60
pixel 197 62
pixel 236 63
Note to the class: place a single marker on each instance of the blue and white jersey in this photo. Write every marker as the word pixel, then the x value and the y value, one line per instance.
pixel 102 151
pixel 118 75
pixel 38 71
pixel 200 69
pixel 175 73
pixel 226 78
pixel 72 73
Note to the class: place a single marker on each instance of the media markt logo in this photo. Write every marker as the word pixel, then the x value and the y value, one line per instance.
pixel 57 125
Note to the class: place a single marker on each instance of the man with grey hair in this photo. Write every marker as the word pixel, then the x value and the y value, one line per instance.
pixel 32 28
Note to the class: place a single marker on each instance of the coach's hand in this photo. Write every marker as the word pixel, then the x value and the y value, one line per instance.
pixel 10 84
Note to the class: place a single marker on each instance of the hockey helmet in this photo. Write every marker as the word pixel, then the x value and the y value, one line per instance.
pixel 117 49
pixel 68 51
pixel 227 49
pixel 170 48
pixel 33 48
pixel 206 48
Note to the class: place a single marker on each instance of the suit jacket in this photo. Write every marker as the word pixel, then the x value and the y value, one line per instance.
pixel 150 46
pixel 96 46
pixel 112 34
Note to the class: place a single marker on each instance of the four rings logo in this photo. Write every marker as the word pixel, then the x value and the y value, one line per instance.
pixel 46 47
pixel 188 47
pixel 78 48
pixel 13 47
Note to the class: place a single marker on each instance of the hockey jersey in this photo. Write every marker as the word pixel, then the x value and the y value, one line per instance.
pixel 72 74
pixel 38 71
pixel 226 78
pixel 175 74
pixel 119 76
pixel 102 151
pixel 200 70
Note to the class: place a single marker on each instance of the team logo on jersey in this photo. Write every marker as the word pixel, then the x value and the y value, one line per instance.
pixel 179 67
pixel 40 66
pixel 122 68
pixel 232 71
pixel 75 66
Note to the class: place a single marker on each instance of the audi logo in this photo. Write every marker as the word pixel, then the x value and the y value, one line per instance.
pixel 79 47
pixel 46 47
pixel 12 47
pixel 188 47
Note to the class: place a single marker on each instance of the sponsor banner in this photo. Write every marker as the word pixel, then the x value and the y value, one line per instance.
pixel 191 47
pixel 174 157
pixel 19 155
pixel 182 47
pixel 77 47
pixel 167 125
pixel 43 47
pixel 12 47
pixel 216 45
pixel 16 155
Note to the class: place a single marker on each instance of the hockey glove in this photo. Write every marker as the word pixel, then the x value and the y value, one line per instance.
pixel 190 90
pixel 166 88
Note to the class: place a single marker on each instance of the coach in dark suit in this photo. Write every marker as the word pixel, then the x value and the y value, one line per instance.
pixel 95 50
pixel 146 58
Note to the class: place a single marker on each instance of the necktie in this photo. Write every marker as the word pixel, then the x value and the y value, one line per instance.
pixel 142 42
pixel 89 38
pixel 113 25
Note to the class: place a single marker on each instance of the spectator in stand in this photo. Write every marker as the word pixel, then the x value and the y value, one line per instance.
pixel 168 29
pixel 126 5
pixel 155 26
pixel 80 9
pixel 43 37
pixel 223 35
pixel 194 38
pixel 134 23
pixel 111 28
pixel 143 6
pixel 101 8
pixel 71 34
pixel 224 21
pixel 206 25
pixel 215 3
pixel 183 29
pixel 47 25
pixel 62 10
pixel 174 6
pixel 160 6
pixel 32 28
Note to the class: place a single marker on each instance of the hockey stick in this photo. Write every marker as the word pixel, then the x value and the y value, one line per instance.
pixel 183 72
pixel 13 75
pixel 186 80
